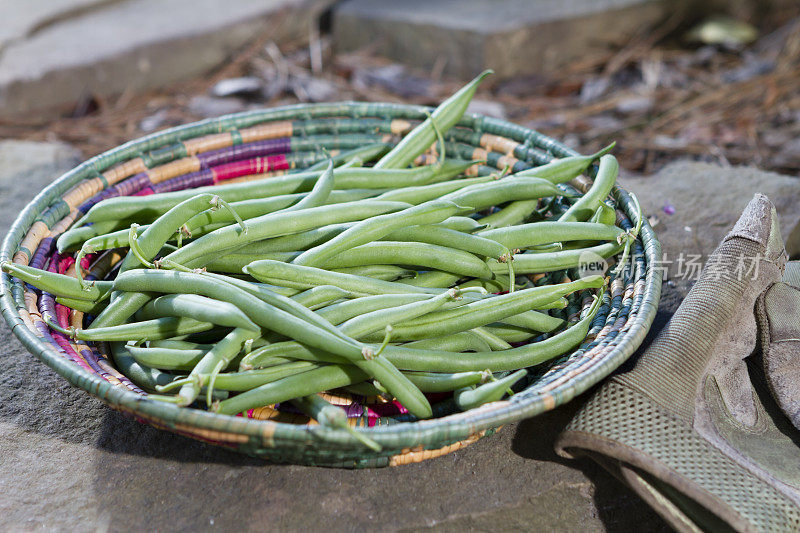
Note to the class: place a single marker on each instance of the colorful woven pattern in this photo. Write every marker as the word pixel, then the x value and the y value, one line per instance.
pixel 260 144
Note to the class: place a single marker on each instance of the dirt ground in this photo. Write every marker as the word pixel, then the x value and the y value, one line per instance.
pixel 662 95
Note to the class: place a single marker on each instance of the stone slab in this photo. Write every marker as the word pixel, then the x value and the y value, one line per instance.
pixel 707 200
pixel 513 37
pixel 22 19
pixel 124 45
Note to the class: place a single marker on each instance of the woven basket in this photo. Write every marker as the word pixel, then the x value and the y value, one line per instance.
pixel 283 139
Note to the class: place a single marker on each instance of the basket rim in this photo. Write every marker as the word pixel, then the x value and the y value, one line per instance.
pixel 275 434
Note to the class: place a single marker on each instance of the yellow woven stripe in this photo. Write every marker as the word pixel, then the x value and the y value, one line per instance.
pixel 472 172
pixel 507 161
pixel 124 170
pixel 31 303
pixel 173 169
pixel 480 154
pixel 26 319
pixel 38 231
pixel 270 130
pixel 424 159
pixel 63 224
pixel 208 143
pixel 76 321
pixel 416 455
pixel 210 434
pixel 82 192
pixel 400 126
pixel 495 143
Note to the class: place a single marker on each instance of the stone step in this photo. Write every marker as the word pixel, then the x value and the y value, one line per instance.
pixel 52 52
pixel 513 37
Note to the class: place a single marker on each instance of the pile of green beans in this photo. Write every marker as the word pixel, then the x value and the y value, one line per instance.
pixel 381 279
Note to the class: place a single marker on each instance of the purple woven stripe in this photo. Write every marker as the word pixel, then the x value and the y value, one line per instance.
pixel 91 360
pixel 47 306
pixel 45 332
pixel 201 178
pixel 123 188
pixel 245 151
pixel 44 250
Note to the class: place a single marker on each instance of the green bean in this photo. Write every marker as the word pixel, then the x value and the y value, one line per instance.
pixel 197 307
pixel 296 241
pixel 460 241
pixel 365 154
pixel 604 181
pixel 565 169
pixel 340 312
pixel 380 318
pixel 167 358
pixel 212 219
pixel 320 296
pixel 504 190
pixel 329 415
pixel 500 283
pixel 159 328
pixel 365 388
pixel 212 362
pixel 442 236
pixel 535 321
pixel 178 345
pixel 121 309
pixel 489 392
pixel 295 306
pixel 303 277
pixel 233 263
pixel 282 322
pixel 441 382
pixel 446 361
pixel 488 310
pixel 320 379
pixel 319 193
pixel 370 229
pixel 317 236
pixel 230 237
pixel 75 237
pixel 276 224
pixel 552 261
pixel 433 279
pixel 508 333
pixel 457 223
pixel 143 208
pixel 493 341
pixel 463 341
pixel 538 233
pixel 414 254
pixel 84 306
pixel 58 284
pixel 605 215
pixel 248 379
pixel 511 214
pixel 106 241
pixel 426 193
pixel 420 138
pixel 145 377
pixel 515 358
pixel 383 272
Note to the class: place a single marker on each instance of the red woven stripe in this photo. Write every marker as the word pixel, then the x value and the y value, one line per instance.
pixel 257 165
pixel 143 192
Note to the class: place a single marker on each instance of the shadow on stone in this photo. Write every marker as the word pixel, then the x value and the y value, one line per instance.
pixel 618 508
pixel 121 434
